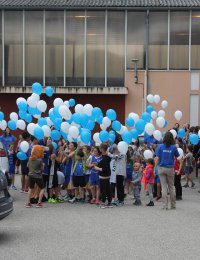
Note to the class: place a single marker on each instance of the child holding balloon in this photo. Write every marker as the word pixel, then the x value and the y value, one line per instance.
pixel 11 161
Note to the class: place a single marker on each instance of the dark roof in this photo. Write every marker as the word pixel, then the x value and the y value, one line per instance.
pixel 98 3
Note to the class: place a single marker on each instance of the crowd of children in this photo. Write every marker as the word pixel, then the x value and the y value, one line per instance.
pixel 96 175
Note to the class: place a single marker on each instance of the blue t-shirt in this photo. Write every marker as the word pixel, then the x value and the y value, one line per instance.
pixel 95 160
pixel 7 140
pixel 150 140
pixel 79 169
pixel 166 155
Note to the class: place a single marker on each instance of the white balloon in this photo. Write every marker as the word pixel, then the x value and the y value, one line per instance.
pixel 148 154
pixel 122 147
pixel 42 105
pixel 3 125
pixel 69 138
pixel 97 144
pixel 61 177
pixel 123 129
pixel 161 113
pixel 180 151
pixel 79 109
pixel 174 133
pixel 103 127
pixel 157 135
pixel 35 96
pixel 31 127
pixel 87 109
pixel 106 121
pixel 134 116
pixel 73 131
pixel 14 116
pixel 47 130
pixel 149 128
pixel 178 115
pixel 49 122
pixel 154 114
pixel 24 146
pixel 57 102
pixel 150 98
pixel 160 122
pixel 36 116
pixel 199 133
pixel 21 99
pixel 156 99
pixel 65 112
pixel 21 124
pixel 66 103
pixel 32 102
pixel 96 138
pixel 164 104
pixel 65 127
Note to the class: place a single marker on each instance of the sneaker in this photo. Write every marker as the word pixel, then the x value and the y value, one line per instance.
pixel 137 203
pixel 93 201
pixel 28 205
pixel 109 205
pixel 39 205
pixel 14 187
pixel 73 200
pixel 59 200
pixel 186 185
pixel 173 207
pixel 179 198
pixel 115 202
pixel 119 203
pixel 51 200
pixel 102 206
pixel 193 184
pixel 165 207
pixel 66 197
pixel 97 202
pixel 150 204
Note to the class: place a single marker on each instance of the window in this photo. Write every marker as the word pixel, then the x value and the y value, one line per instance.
pixel 158 40
pixel 95 49
pixel 54 49
pixel 116 49
pixel 179 40
pixel 13 52
pixel 33 47
pixel 136 39
pixel 195 41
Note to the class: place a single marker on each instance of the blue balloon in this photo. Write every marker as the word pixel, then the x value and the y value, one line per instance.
pixel 21 156
pixel 38 133
pixel 140 125
pixel 116 125
pixel 55 145
pixel 127 137
pixel 194 139
pixel 1 116
pixel 146 117
pixel 52 116
pixel 96 112
pixel 99 120
pixel 84 119
pixel 49 91
pixel 55 135
pixel 149 109
pixel 112 137
pixel 12 125
pixel 181 133
pixel 130 122
pixel 165 123
pixel 42 121
pixel 90 125
pixel 22 106
pixel 134 133
pixel 85 137
pixel 104 136
pixel 76 118
pixel 57 123
pixel 112 132
pixel 22 114
pixel 72 102
pixel 56 112
pixel 28 118
pixel 111 114
pixel 37 88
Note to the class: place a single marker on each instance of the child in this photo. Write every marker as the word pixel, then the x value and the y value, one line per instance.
pixel 136 180
pixel 79 170
pixel 35 165
pixel 104 177
pixel 188 158
pixel 129 169
pixel 149 178
pixel 94 178
pixel 11 161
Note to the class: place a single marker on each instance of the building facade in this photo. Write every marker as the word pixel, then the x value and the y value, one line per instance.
pixel 85 49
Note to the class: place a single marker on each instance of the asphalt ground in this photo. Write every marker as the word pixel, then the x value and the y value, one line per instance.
pixel 84 231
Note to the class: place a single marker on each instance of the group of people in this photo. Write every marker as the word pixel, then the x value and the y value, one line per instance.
pixel 102 175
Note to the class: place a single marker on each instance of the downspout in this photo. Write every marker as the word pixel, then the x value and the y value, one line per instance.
pixel 147 63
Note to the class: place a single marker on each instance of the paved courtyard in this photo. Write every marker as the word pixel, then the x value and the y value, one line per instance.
pixel 83 231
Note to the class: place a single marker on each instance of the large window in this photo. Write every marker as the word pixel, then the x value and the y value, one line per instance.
pixel 95 49
pixel 13 47
pixel 54 49
pixel 136 42
pixel 158 40
pixel 116 49
pixel 75 22
pixel 179 40
pixel 33 47
pixel 195 41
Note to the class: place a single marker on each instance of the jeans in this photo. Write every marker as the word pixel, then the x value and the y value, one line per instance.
pixel 150 191
pixel 136 191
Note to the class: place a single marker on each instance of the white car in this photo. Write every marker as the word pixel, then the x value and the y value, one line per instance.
pixel 4 167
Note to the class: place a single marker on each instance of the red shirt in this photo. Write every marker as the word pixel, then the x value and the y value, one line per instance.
pixel 177 166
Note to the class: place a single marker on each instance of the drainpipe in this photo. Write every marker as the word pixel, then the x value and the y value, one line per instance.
pixel 147 62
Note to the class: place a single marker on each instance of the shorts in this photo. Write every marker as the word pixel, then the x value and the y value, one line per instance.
pixel 94 179
pixel 188 170
pixel 79 181
pixel 38 181
pixel 129 176
pixel 87 181
pixel 12 169
pixel 24 168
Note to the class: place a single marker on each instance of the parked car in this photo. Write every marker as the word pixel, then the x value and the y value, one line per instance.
pixel 6 201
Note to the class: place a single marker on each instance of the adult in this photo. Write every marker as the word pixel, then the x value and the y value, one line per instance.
pixel 7 138
pixel 165 154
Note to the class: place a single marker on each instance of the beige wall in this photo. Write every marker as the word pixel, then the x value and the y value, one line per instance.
pixel 173 86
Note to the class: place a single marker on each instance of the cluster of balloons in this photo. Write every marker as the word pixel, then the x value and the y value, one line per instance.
pixel 76 122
